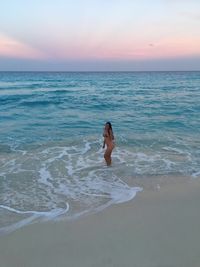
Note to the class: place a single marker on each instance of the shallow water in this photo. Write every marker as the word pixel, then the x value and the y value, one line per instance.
pixel 51 160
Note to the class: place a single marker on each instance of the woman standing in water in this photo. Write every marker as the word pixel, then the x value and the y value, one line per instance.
pixel 109 142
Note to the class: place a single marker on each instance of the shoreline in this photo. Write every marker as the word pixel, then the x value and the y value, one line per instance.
pixel 155 229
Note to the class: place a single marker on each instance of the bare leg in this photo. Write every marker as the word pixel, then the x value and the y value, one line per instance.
pixel 107 156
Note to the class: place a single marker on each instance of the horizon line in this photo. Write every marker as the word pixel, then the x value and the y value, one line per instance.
pixel 198 70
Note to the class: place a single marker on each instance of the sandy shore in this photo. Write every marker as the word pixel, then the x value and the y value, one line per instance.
pixel 156 229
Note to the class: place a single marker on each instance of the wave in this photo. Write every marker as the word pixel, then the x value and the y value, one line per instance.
pixel 33 216
pixel 49 177
pixel 50 157
pixel 40 103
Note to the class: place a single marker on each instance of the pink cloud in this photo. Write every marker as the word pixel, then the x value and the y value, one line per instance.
pixel 103 47
pixel 130 49
pixel 10 47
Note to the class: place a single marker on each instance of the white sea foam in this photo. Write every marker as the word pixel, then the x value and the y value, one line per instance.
pixel 64 174
pixel 49 177
pixel 45 176
pixel 49 214
pixel 196 174
pixel 33 216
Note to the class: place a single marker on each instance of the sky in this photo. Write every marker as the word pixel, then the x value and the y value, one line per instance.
pixel 100 35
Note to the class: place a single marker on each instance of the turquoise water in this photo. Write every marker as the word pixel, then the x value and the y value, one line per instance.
pixel 51 156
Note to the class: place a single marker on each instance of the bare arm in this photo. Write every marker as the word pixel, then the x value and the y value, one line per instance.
pixel 104 143
pixel 105 134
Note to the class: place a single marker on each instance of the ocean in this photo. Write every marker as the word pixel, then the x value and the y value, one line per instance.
pixel 51 124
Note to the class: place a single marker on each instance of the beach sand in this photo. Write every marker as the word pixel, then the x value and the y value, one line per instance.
pixel 158 228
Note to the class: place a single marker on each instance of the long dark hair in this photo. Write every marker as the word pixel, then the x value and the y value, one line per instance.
pixel 110 125
pixel 110 130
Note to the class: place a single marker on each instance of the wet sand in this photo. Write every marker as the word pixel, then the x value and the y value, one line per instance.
pixel 158 228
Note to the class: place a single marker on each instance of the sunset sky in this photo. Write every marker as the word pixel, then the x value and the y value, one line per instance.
pixel 100 35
